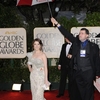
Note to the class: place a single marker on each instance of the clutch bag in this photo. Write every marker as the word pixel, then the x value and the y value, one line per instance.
pixel 46 87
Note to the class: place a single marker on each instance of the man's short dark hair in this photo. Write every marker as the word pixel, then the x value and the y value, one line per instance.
pixel 86 30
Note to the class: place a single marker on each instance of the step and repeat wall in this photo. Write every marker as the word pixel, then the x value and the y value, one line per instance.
pixel 13 41
pixel 52 42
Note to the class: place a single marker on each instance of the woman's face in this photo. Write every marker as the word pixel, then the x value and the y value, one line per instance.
pixel 36 45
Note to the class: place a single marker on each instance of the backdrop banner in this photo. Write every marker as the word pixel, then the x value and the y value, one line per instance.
pixel 52 40
pixel 12 43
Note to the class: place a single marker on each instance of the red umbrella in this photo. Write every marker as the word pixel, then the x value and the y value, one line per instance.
pixel 34 2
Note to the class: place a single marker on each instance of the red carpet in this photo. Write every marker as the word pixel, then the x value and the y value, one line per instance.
pixel 26 95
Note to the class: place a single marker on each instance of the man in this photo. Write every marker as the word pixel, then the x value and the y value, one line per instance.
pixel 85 63
pixel 63 65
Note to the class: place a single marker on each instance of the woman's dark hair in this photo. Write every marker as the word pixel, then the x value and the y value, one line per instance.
pixel 38 40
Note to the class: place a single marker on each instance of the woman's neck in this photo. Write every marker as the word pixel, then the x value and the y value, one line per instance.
pixel 37 51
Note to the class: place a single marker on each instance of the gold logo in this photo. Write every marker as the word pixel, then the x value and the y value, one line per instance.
pixel 12 32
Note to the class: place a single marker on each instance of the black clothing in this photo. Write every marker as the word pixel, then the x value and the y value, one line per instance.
pixel 64 62
pixel 83 63
pixel 84 69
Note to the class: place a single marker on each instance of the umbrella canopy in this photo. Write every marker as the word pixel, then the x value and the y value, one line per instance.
pixel 31 2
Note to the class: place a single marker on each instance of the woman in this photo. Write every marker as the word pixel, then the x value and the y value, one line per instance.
pixel 37 65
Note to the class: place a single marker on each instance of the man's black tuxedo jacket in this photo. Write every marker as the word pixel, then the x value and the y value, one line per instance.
pixel 94 50
pixel 63 60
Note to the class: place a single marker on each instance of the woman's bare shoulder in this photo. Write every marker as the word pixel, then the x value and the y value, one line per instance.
pixel 43 55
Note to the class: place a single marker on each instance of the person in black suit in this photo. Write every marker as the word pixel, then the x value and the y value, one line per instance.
pixel 85 63
pixel 63 65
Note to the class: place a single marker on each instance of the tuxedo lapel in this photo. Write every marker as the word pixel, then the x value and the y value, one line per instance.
pixel 65 48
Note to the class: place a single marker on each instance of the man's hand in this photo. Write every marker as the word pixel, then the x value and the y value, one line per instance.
pixel 69 56
pixel 59 67
pixel 54 22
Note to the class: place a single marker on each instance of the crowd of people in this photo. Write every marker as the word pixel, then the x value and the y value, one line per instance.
pixel 79 61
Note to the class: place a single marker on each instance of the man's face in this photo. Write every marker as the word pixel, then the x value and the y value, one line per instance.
pixel 82 35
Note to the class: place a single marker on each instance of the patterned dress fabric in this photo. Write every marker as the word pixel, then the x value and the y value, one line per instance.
pixel 36 77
